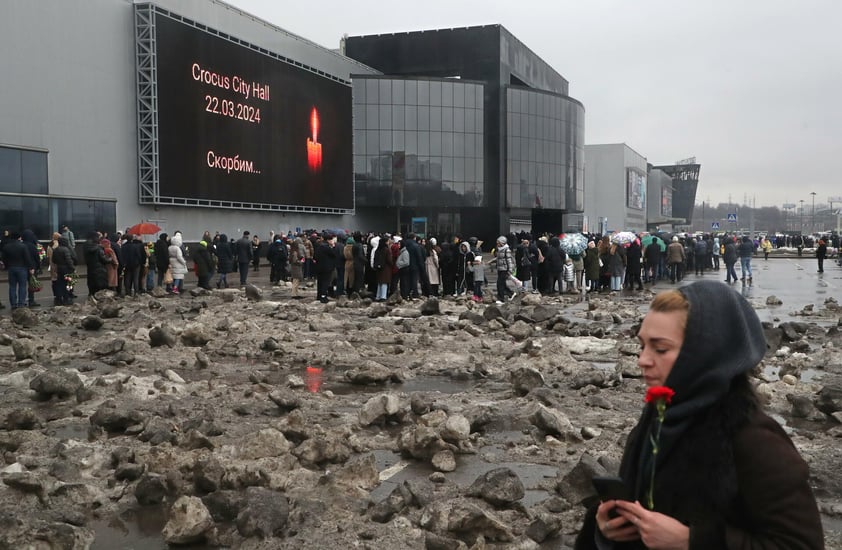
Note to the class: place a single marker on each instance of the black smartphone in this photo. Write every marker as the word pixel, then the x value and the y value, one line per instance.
pixel 611 488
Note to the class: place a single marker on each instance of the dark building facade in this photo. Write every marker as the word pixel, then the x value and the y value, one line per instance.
pixel 468 130
pixel 685 182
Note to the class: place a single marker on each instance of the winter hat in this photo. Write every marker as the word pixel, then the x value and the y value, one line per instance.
pixel 502 240
pixel 433 241
pixel 350 240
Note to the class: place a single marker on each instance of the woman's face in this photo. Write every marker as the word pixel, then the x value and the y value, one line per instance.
pixel 661 336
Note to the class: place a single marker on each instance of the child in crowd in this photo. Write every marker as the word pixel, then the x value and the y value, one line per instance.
pixel 478 271
pixel 569 275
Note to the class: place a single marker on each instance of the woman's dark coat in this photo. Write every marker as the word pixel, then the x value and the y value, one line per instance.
pixel 96 262
pixel 204 262
pixel 162 254
pixel 592 264
pixel 224 255
pixel 386 261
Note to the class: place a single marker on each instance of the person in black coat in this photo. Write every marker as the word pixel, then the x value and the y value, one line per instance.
pixel 277 256
pixel 633 256
pixel 447 266
pixel 244 255
pixel 224 260
pixel 203 260
pixel 162 257
pixel 325 257
pixel 730 259
pixel 653 261
pixel 64 260
pixel 133 257
pixel 96 262
pixel 19 266
pixel 554 261
pixel 821 254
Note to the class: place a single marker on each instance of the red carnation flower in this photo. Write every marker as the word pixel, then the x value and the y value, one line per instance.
pixel 656 393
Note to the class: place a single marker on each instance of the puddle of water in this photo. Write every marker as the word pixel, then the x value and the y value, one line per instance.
pixel 607 366
pixel 135 529
pixel 70 431
pixel 420 384
pixel 807 375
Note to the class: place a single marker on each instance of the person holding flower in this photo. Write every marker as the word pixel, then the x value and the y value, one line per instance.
pixel 708 468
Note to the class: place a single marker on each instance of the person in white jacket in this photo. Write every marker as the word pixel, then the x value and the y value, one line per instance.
pixel 178 265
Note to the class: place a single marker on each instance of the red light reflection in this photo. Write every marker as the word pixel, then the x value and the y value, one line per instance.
pixel 313 378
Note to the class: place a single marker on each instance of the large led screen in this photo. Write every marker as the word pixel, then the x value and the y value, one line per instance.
pixel 238 125
pixel 635 189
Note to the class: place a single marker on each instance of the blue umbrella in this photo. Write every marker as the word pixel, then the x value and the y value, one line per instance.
pixel 574 243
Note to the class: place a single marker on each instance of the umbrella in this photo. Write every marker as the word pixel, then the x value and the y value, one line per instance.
pixel 646 240
pixel 574 243
pixel 143 228
pixel 623 237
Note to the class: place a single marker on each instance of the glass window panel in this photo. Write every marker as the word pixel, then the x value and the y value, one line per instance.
pixel 359 141
pixel 447 144
pixel 374 167
pixel 359 116
pixel 385 141
pixel 385 116
pixel 470 171
pixel 435 144
pixel 411 92
pixel 398 141
pixel 479 122
pixel 435 169
pixel 423 92
pixel 458 169
pixel 411 117
pixel 372 117
pixel 358 91
pixel 533 103
pixel 471 144
pixel 447 119
pixel 372 142
pixel 423 117
pixel 447 94
pixel 447 169
pixel 411 143
pixel 435 118
pixel 478 149
pixel 11 215
pixel 423 144
pixel 478 170
pixel 459 144
pixel 480 90
pixel 458 119
pixel 470 120
pixel 10 171
pixel 397 92
pixel 385 86
pixel 459 95
pixel 371 93
pixel 411 167
pixel 470 96
pixel 359 164
pixel 435 93
pixel 398 117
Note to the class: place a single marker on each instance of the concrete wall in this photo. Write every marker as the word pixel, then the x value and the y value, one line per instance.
pixel 605 187
pixel 68 87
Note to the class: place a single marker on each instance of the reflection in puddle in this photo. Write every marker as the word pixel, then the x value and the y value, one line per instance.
pixel 137 529
pixel 71 431
pixel 313 379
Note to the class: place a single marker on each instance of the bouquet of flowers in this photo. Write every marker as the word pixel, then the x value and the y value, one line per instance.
pixel 660 396
pixel 70 281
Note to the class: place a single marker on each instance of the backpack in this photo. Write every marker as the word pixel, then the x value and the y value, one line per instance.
pixel 525 261
pixel 403 258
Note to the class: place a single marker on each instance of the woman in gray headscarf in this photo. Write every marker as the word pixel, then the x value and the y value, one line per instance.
pixel 705 466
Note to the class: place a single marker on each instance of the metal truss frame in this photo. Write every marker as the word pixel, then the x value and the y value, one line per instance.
pixel 149 188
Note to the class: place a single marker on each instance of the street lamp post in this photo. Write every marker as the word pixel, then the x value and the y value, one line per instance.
pixel 802 215
pixel 813 219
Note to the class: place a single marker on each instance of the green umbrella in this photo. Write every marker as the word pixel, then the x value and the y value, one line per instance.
pixel 646 240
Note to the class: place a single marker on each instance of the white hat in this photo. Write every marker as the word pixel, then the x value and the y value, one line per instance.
pixel 433 241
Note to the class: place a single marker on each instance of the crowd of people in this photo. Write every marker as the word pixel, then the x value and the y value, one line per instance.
pixel 374 264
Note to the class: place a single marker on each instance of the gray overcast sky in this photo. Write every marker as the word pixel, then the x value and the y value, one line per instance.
pixel 751 88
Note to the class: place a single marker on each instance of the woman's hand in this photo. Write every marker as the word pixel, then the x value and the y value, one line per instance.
pixel 657 531
pixel 618 529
